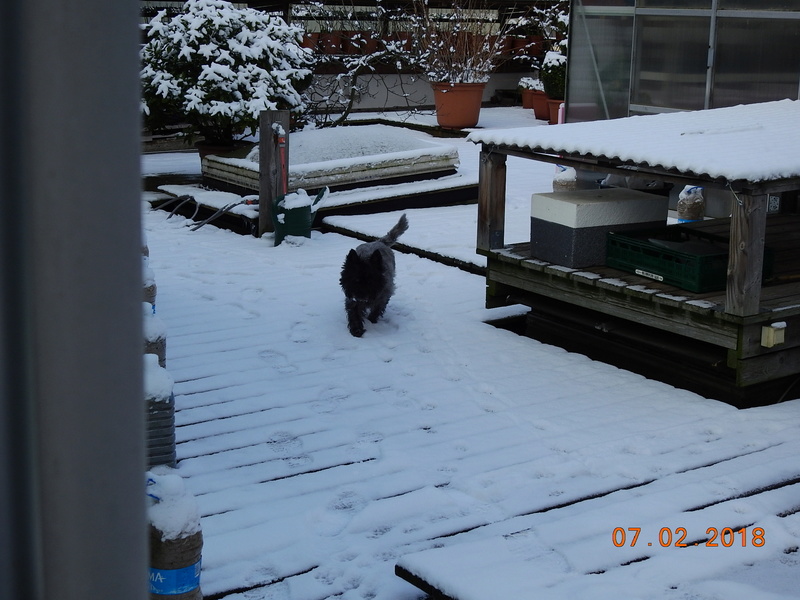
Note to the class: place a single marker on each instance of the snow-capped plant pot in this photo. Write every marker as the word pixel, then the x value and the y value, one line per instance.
pixel 293 214
pixel 160 405
pixel 553 74
pixel 459 49
pixel 533 96
pixel 176 538
pixel 458 105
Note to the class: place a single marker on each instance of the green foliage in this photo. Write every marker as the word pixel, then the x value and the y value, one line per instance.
pixel 553 74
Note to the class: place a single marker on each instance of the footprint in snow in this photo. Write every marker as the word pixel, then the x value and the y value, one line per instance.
pixel 336 354
pixel 252 294
pixel 261 575
pixel 335 516
pixel 347 501
pixel 243 311
pixel 284 443
pixel 329 399
pixel 366 446
pixel 300 332
pixel 277 361
pixel 296 462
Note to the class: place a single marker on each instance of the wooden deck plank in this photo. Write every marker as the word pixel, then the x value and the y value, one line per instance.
pixel 621 297
pixel 611 279
pixel 581 536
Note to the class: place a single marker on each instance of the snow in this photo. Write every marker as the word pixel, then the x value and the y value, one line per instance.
pixel 718 143
pixel 148 277
pixel 337 147
pixel 171 508
pixel 298 199
pixel 319 461
pixel 154 327
pixel 346 143
pixel 158 382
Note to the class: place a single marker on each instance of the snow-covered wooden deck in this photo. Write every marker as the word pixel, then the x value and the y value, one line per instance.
pixel 484 464
pixel 629 538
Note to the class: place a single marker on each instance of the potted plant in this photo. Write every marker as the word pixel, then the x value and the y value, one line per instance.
pixel 458 50
pixel 218 67
pixel 553 74
pixel 534 96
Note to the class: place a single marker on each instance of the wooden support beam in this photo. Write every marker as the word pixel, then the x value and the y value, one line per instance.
pixel 491 199
pixel 273 164
pixel 746 254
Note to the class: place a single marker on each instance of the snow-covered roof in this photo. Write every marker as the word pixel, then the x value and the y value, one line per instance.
pixel 754 143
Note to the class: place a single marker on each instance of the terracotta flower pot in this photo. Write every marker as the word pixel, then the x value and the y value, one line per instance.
pixel 541 108
pixel 554 106
pixel 527 98
pixel 458 105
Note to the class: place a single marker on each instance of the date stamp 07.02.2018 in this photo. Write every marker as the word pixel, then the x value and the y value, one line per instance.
pixel 676 537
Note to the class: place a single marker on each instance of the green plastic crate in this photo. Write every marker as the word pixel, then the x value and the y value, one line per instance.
pixel 679 256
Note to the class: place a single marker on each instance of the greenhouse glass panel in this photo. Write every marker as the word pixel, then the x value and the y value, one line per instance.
pixel 756 68
pixel 599 67
pixel 759 5
pixel 672 62
pixel 694 4
pixel 606 3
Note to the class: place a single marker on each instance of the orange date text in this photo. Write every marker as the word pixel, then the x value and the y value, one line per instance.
pixel 678 537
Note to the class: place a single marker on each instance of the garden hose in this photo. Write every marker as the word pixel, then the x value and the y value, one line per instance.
pixel 220 211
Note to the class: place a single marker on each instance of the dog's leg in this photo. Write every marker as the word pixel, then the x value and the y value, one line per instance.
pixel 355 317
pixel 378 308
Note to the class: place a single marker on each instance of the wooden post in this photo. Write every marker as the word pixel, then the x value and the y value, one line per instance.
pixel 273 164
pixel 491 199
pixel 746 254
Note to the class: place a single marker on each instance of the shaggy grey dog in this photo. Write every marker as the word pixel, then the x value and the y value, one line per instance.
pixel 368 279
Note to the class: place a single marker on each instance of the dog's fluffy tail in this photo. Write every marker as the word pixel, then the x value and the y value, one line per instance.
pixel 395 232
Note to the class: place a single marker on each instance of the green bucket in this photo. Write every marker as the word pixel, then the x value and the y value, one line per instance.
pixel 293 214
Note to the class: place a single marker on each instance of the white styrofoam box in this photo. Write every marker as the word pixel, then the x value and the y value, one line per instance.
pixel 597 208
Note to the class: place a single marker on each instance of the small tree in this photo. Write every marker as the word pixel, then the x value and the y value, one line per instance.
pixel 218 67
pixel 461 44
pixel 347 77
pixel 553 74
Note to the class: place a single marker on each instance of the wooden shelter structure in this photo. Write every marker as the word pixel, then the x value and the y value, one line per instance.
pixel 748 332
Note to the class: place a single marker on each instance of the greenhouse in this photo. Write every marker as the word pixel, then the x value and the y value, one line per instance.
pixel 629 57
